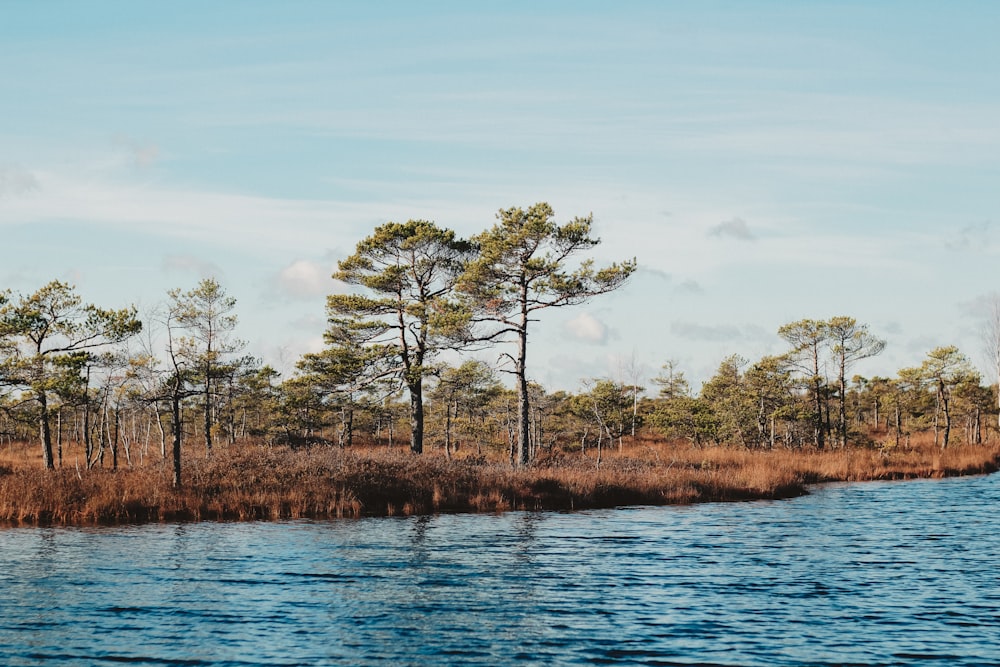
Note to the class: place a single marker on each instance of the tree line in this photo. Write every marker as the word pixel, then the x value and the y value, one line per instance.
pixel 794 399
pixel 121 388
pixel 420 290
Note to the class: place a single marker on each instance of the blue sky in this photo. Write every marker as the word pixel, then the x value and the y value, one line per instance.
pixel 764 162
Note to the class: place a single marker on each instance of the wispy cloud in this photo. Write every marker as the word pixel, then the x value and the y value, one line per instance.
pixel 974 236
pixel 15 182
pixel 654 273
pixel 185 263
pixel 736 228
pixel 690 287
pixel 260 223
pixel 711 333
pixel 719 333
pixel 139 154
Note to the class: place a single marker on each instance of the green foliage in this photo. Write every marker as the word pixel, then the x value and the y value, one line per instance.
pixel 203 358
pixel 685 417
pixel 461 398
pixel 943 371
pixel 610 406
pixel 672 382
pixel 522 267
pixel 47 338
pixel 522 264
pixel 406 315
pixel 732 406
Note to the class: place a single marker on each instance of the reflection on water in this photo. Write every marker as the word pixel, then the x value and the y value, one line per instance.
pixel 872 574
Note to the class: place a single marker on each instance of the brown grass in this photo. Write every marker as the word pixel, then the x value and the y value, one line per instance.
pixel 251 481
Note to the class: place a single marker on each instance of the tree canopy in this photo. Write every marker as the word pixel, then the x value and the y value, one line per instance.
pixel 524 265
pixel 406 312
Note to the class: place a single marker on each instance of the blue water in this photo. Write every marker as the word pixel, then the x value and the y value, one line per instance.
pixel 903 573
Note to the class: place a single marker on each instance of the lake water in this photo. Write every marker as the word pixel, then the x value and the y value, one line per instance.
pixel 901 573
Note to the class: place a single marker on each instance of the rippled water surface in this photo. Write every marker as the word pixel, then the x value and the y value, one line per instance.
pixel 870 574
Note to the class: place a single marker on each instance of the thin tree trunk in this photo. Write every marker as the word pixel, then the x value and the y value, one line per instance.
pixel 447 430
pixel 208 411
pixel 947 422
pixel 523 407
pixel 59 435
pixel 416 390
pixel 843 402
pixel 937 410
pixel 45 431
pixel 88 444
pixel 978 427
pixel 600 447
pixel 175 411
pixel 163 433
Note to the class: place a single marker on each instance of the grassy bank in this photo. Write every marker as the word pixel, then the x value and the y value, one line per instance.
pixel 251 481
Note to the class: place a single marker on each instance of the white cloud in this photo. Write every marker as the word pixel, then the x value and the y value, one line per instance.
pixel 303 279
pixel 588 328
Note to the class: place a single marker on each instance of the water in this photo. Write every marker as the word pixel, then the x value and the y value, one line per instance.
pixel 870 574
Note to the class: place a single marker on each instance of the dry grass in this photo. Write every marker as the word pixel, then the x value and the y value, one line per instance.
pixel 250 481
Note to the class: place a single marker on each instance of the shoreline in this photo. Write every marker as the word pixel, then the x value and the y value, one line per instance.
pixel 253 482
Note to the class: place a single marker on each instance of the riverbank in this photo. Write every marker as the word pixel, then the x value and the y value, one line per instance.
pixel 251 481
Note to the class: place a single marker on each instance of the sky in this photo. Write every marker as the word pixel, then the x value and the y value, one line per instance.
pixel 763 162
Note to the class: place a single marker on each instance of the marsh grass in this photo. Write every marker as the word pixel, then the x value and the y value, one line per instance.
pixel 252 481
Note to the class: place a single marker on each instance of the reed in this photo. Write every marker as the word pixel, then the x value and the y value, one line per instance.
pixel 252 481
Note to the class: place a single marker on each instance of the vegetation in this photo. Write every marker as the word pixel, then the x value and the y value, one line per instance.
pixel 410 270
pixel 256 481
pixel 101 401
pixel 522 268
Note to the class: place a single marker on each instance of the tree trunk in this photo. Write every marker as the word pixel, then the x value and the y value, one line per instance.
pixel 600 445
pixel 113 438
pixel 523 408
pixel 947 421
pixel 416 390
pixel 208 412
pixel 978 427
pixel 635 403
pixel 899 425
pixel 163 433
pixel 346 427
pixel 447 430
pixel 818 436
pixel 175 407
pixel 45 431
pixel 843 403
pixel 59 431
pixel 88 444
